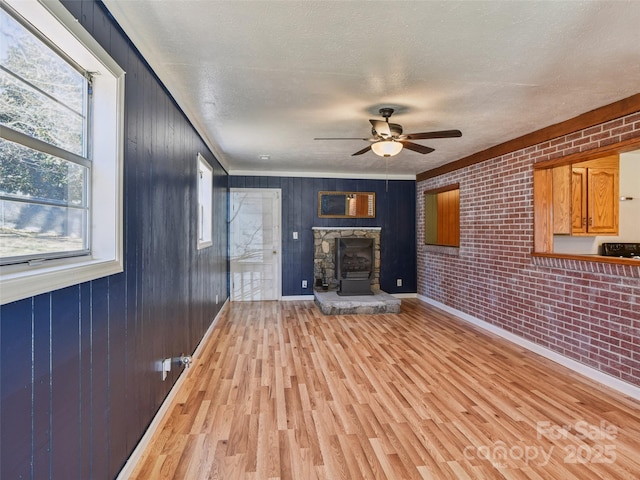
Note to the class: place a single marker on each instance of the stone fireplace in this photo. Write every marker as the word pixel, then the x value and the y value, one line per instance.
pixel 324 239
pixel 354 265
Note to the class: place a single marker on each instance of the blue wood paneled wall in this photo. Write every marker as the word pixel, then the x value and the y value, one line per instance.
pixel 78 383
pixel 395 213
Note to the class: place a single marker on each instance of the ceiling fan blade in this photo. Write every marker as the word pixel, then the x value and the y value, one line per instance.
pixel 416 148
pixel 440 134
pixel 342 138
pixel 360 152
pixel 381 127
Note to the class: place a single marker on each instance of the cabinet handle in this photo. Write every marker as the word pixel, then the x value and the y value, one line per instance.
pixel 590 220
pixel 584 221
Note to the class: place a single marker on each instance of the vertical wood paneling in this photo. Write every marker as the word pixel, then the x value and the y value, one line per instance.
pixel 78 383
pixel 86 371
pixel 100 376
pixel 118 403
pixel 15 388
pixel 395 213
pixel 303 252
pixel 65 382
pixel 41 400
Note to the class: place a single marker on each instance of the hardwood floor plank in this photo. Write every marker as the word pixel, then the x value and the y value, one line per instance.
pixel 281 391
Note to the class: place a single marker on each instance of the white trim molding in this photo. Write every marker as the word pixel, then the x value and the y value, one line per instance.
pixel 351 176
pixel 291 298
pixel 405 295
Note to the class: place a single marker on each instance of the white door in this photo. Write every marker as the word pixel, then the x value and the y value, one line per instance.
pixel 255 244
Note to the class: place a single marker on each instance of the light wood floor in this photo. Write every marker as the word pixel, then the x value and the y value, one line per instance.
pixel 281 391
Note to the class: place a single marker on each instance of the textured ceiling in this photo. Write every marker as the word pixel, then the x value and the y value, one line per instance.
pixel 266 77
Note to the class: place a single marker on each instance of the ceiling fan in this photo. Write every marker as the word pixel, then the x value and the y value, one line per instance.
pixel 388 139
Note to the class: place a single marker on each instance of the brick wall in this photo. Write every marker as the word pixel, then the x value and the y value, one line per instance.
pixel 587 311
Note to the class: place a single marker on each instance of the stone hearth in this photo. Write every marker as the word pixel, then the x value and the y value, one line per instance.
pixel 330 303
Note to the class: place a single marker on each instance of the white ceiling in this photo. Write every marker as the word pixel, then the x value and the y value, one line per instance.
pixel 266 77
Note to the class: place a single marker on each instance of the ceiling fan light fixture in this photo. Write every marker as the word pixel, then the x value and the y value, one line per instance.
pixel 386 148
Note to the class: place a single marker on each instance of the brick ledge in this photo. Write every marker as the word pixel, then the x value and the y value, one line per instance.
pixel 588 264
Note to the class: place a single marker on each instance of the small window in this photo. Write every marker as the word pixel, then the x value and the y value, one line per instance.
pixel 442 216
pixel 205 203
pixel 61 111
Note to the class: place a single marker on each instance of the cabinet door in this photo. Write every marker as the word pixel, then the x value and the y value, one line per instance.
pixel 449 217
pixel 562 200
pixel 579 200
pixel 603 201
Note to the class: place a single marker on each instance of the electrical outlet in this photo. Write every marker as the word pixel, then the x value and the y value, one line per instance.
pixel 398 282
pixel 304 284
pixel 295 235
pixel 216 299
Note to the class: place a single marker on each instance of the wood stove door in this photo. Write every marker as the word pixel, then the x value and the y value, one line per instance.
pixel 255 244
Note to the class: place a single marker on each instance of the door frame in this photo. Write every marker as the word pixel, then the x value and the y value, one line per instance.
pixel 277 238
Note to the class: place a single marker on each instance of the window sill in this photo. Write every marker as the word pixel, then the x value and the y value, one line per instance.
pixel 20 281
pixel 202 245
pixel 622 267
pixel 443 249
pixel 589 258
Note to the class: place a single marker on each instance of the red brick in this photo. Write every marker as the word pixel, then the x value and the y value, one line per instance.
pixel 588 312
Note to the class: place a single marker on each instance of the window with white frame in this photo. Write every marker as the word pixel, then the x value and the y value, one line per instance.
pixel 205 203
pixel 61 102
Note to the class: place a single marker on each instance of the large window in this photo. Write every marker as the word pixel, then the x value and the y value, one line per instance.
pixel 46 163
pixel 60 152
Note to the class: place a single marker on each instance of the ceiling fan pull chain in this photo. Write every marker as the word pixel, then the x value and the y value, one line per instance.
pixel 386 175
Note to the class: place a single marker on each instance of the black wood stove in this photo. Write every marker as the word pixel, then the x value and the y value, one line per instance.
pixel 354 265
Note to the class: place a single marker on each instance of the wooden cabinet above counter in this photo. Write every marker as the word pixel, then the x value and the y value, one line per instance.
pixel 578 196
pixel 585 197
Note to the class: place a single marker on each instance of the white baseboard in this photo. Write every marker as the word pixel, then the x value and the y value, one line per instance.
pixel 405 295
pixel 145 441
pixel 589 372
pixel 290 298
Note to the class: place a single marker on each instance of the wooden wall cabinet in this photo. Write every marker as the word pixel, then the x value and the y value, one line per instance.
pixel 579 200
pixel 562 199
pixel 602 200
pixel 585 197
